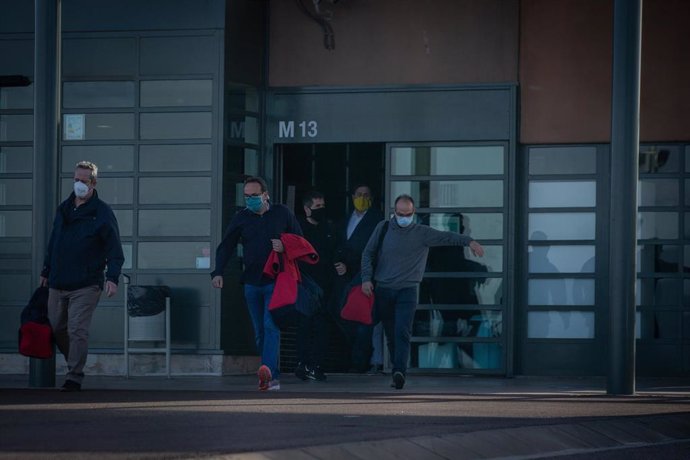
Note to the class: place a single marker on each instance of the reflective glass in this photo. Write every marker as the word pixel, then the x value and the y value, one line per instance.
pixel 687 192
pixel 687 159
pixel 563 160
pixel 449 355
pixel 245 128
pixel 182 125
pixel 16 159
pixel 561 259
pixel 687 226
pixel 108 158
pixel 686 258
pixel 458 323
pixel 15 287
pixel 188 222
pixel 658 258
pixel 15 192
pixel 174 190
pixel 18 97
pixel 461 291
pixel 176 93
pixel 98 126
pixel 124 221
pixel 127 251
pixel 480 226
pixel 565 194
pixel 657 291
pixel 92 94
pixel 686 294
pixel 180 157
pixel 659 159
pixel 251 162
pixel 562 226
pixel 16 128
pixel 660 324
pixel 560 325
pixel 112 190
pixel 435 161
pixel 242 98
pixel 15 224
pixel 658 192
pixel 561 291
pixel 450 194
pixel 171 255
pixel 662 225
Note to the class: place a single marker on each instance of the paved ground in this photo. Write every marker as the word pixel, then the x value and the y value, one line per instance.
pixel 351 416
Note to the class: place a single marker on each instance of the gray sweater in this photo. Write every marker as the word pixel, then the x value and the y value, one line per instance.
pixel 402 258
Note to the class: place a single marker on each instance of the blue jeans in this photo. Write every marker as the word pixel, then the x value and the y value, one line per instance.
pixel 266 332
pixel 395 308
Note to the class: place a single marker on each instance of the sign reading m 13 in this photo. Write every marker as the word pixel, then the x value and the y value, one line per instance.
pixel 286 129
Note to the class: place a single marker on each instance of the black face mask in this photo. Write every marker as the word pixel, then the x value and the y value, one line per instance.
pixel 319 214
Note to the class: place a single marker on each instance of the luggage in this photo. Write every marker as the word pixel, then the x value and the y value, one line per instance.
pixel 35 334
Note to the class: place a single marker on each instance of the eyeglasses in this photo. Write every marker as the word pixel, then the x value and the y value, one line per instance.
pixel 253 195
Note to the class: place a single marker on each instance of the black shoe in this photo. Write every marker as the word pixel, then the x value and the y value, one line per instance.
pixel 301 371
pixel 398 380
pixel 316 374
pixel 375 369
pixel 70 386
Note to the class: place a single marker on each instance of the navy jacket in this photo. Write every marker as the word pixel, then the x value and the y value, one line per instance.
pixel 255 232
pixel 350 249
pixel 83 241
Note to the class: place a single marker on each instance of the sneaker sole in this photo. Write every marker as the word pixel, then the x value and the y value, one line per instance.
pixel 398 381
pixel 264 374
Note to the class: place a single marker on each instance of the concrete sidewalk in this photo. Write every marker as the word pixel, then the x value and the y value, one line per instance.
pixel 350 416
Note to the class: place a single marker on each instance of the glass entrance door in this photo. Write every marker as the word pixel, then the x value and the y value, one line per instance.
pixel 459 323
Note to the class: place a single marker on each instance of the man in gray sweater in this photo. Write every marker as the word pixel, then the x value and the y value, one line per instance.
pixel 400 265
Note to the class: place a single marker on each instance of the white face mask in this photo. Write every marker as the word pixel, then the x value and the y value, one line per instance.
pixel 80 189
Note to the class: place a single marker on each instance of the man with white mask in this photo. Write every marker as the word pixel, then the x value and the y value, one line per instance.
pixel 400 264
pixel 84 242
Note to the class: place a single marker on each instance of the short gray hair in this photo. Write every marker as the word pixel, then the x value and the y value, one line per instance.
pixel 90 166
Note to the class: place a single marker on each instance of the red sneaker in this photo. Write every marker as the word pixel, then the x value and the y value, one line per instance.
pixel 265 377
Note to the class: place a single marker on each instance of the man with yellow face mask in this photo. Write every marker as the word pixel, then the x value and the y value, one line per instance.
pixel 352 236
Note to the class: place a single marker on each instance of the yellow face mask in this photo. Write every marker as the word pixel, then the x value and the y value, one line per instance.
pixel 361 203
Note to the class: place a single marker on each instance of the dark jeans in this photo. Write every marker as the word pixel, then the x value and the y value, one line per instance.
pixel 312 338
pixel 395 308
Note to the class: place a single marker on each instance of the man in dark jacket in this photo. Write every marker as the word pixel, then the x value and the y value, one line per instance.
pixel 258 227
pixel 84 241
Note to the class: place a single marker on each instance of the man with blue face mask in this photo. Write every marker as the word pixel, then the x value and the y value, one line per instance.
pixel 258 227
pixel 400 264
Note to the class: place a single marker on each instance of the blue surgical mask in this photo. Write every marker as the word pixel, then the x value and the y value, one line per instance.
pixel 404 221
pixel 254 203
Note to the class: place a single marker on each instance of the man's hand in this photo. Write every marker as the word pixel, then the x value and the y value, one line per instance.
pixel 217 282
pixel 368 288
pixel 340 268
pixel 110 288
pixel 277 245
pixel 43 281
pixel 477 249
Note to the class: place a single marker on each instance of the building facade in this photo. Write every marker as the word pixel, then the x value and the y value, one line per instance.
pixel 494 115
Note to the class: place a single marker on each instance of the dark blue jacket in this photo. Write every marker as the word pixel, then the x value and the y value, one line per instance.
pixel 83 241
pixel 255 232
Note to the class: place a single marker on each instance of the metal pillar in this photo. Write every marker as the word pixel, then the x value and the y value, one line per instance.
pixel 47 37
pixel 625 122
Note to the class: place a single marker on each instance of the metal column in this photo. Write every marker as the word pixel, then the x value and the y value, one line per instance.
pixel 625 121
pixel 46 112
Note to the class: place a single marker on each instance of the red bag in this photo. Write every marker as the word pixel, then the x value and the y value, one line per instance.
pixel 36 340
pixel 358 306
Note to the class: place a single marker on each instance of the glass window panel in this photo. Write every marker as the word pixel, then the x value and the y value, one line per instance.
pixel 242 98
pixel 492 260
pixel 251 162
pixel 127 251
pixel 658 258
pixel 687 159
pixel 686 232
pixel 176 93
pixel 15 192
pixel 562 160
pixel 458 323
pixel 19 97
pixel 170 255
pixel 188 222
pixel 480 226
pixel 16 159
pixel 659 159
pixel 475 160
pixel 463 291
pixel 686 295
pixel 561 259
pixel 461 259
pixel 638 322
pixel 660 325
pixel 112 190
pixel 663 225
pixel 90 94
pixel 560 325
pixel 245 128
pixel 15 224
pixel 687 192
pixel 657 192
pixel 124 221
pixel 15 287
pixel 450 194
pixel 657 291
pixel 686 258
pixel 174 190
pixel 16 128
pixel 565 194
pixel 108 158
pixel 184 125
pixel 99 126
pixel 181 157
pixel 441 355
pixel 561 291
pixel 562 226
